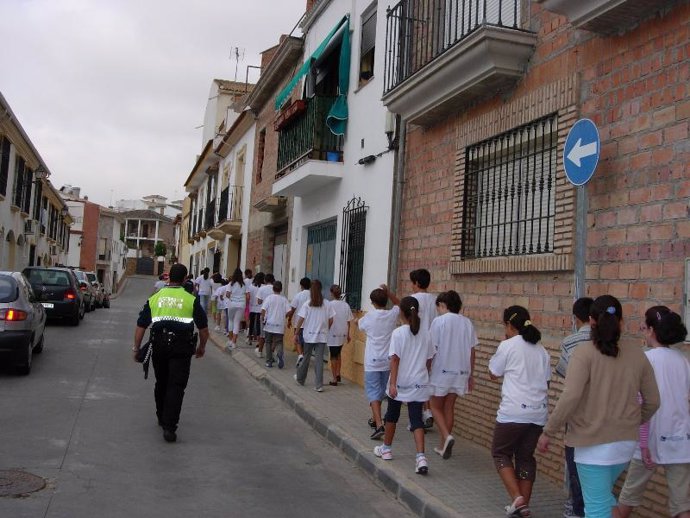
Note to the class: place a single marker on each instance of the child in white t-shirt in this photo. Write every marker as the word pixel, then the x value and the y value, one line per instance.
pixel 297 302
pixel 454 340
pixel 220 305
pixel 254 331
pixel 237 297
pixel 273 312
pixel 526 370
pixel 315 317
pixel 262 294
pixel 339 333
pixel 378 324
pixel 410 360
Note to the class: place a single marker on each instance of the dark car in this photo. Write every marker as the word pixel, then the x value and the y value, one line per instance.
pixel 22 321
pixel 98 288
pixel 57 289
pixel 87 290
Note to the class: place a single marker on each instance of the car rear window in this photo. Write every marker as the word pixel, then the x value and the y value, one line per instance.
pixel 8 289
pixel 92 277
pixel 48 277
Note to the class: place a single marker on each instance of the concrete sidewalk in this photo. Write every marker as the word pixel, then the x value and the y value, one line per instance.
pixel 466 485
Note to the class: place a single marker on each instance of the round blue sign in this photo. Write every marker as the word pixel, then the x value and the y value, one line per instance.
pixel 581 152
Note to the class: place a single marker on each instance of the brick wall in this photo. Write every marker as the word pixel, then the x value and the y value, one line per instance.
pixel 634 87
pixel 89 242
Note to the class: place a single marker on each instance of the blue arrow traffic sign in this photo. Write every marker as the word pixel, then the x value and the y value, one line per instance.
pixel 581 152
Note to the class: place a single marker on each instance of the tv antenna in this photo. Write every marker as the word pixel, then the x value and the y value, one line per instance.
pixel 237 53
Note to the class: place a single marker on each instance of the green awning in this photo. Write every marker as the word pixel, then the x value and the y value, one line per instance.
pixel 336 120
pixel 304 70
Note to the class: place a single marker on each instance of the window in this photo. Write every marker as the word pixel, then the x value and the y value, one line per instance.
pixel 261 148
pixel 26 196
pixel 352 251
pixel 4 164
pixel 18 192
pixel 509 197
pixel 367 45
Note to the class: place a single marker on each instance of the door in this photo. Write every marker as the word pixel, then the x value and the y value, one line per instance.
pixel 321 253
pixel 280 254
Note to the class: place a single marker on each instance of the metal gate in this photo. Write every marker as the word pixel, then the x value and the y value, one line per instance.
pixel 352 251
pixel 321 253
pixel 145 266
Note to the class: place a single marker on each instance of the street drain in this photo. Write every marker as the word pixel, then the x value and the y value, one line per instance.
pixel 14 482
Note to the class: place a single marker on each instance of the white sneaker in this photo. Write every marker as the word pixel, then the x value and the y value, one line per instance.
pixel 257 352
pixel 216 329
pixel 383 453
pixel 421 467
pixel 318 389
pixel 300 359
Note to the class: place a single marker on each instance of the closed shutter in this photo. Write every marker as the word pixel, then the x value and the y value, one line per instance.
pixel 368 32
pixel 4 164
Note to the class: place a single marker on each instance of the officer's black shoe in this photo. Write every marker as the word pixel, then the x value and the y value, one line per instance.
pixel 169 436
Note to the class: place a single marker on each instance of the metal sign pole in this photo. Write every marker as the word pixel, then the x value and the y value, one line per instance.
pixel 580 241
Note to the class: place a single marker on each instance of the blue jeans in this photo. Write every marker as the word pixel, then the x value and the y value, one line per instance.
pixel 597 486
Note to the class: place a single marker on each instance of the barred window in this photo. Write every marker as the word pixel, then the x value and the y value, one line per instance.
pixel 352 251
pixel 509 196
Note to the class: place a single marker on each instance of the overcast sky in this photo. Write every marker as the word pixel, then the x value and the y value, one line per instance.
pixel 111 91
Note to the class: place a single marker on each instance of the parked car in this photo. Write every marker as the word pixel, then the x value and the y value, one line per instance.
pixel 87 290
pixel 22 321
pixel 57 289
pixel 98 287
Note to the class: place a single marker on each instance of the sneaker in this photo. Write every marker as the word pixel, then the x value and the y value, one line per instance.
pixel 257 352
pixel 216 329
pixel 294 376
pixel 300 359
pixel 378 433
pixel 383 452
pixel 281 362
pixel 229 346
pixel 421 467
pixel 169 436
pixel 371 422
pixel 269 365
pixel 318 389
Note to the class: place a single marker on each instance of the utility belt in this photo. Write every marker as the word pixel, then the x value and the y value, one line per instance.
pixel 165 337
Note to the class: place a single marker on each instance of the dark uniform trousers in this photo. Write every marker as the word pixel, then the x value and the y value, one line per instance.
pixel 171 363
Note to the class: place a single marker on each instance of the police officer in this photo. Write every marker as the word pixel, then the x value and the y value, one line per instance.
pixel 173 312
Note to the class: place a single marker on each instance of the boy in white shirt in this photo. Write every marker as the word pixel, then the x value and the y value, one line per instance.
pixel 297 302
pixel 273 312
pixel 262 294
pixel 378 324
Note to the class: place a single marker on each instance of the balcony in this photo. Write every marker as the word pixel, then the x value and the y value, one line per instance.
pixel 605 16
pixel 309 155
pixel 229 213
pixel 443 56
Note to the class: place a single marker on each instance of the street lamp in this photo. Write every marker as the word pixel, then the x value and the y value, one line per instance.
pixel 64 211
pixel 40 173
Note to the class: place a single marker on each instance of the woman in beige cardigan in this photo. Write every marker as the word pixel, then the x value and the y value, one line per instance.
pixel 600 406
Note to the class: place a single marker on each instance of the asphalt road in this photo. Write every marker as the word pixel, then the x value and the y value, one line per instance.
pixel 84 420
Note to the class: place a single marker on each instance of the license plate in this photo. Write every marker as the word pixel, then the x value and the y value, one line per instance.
pixel 48 305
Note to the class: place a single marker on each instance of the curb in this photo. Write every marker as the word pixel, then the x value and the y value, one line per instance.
pixel 417 499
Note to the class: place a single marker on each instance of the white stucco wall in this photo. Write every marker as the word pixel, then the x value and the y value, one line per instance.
pixel 365 136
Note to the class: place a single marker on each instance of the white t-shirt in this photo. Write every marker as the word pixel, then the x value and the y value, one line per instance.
pixel 214 290
pixel 315 325
pixel 235 295
pixel 669 428
pixel 205 285
pixel 337 334
pixel 254 306
pixel 378 324
pixel 276 307
pixel 453 338
pixel 427 309
pixel 526 370
pixel 413 351
pixel 263 292
pixel 248 281
pixel 299 300
pixel 220 292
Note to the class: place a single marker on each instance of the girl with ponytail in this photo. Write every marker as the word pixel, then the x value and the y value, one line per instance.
pixel 600 404
pixel 525 368
pixel 410 360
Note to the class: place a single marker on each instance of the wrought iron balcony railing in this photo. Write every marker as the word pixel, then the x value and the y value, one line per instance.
pixel 230 204
pixel 418 31
pixel 306 136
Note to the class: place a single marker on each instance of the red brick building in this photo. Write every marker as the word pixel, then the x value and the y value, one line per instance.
pixel 486 206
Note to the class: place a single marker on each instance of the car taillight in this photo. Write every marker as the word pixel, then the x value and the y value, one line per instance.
pixel 70 294
pixel 13 315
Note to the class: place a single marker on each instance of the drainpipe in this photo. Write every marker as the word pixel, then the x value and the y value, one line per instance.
pixel 396 211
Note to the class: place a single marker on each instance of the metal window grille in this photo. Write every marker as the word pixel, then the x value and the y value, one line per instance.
pixel 509 198
pixel 352 251
pixel 4 164
pixel 418 31
pixel 18 193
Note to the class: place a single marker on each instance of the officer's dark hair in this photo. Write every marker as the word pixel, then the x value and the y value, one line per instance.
pixel 258 279
pixel 421 278
pixel 277 287
pixel 667 325
pixel 269 278
pixel 305 283
pixel 178 273
pixel 451 299
pixel 237 277
pixel 581 308
pixel 606 314
pixel 518 317
pixel 316 295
